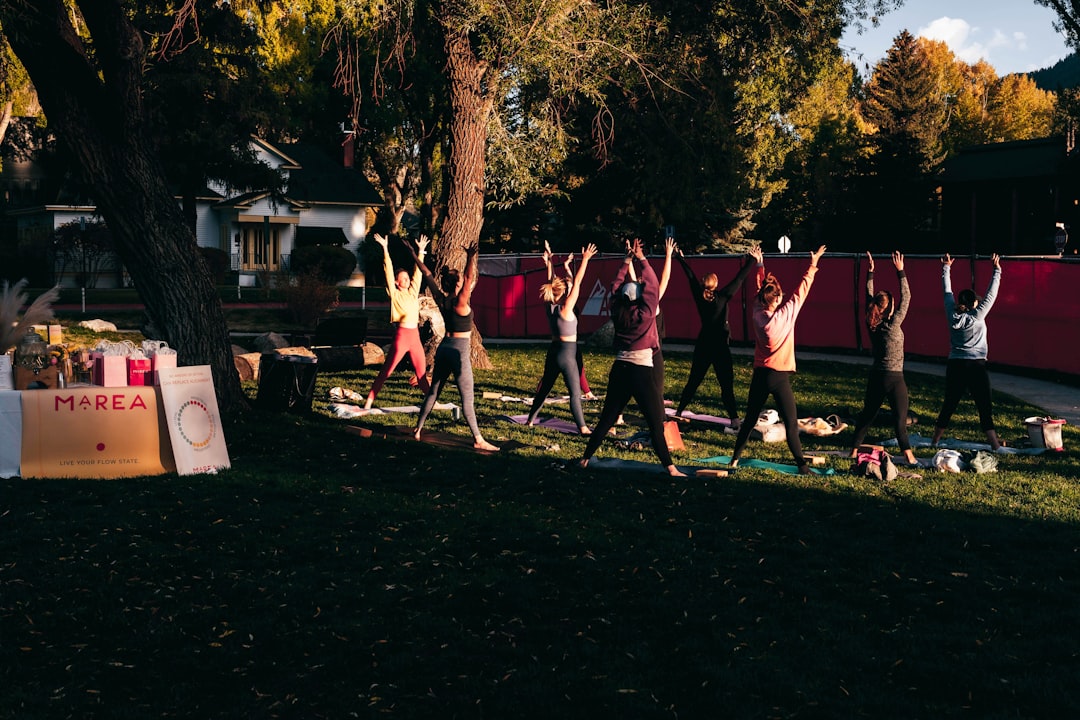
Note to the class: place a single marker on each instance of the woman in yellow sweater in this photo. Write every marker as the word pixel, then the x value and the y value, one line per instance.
pixel 404 292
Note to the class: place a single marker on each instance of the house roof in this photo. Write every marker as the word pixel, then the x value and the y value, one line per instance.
pixel 316 177
pixel 1008 160
pixel 248 199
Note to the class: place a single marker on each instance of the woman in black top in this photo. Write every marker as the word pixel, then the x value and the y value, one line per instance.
pixel 453 354
pixel 712 347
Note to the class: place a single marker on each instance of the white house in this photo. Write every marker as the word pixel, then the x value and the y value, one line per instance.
pixel 326 200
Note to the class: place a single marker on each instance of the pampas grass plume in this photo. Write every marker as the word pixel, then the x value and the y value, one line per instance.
pixel 12 328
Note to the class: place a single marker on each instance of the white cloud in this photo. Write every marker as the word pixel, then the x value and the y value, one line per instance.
pixel 958 35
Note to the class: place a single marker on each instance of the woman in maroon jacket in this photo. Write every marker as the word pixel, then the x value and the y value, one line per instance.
pixel 633 313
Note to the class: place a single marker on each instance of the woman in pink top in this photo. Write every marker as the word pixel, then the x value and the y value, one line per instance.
pixel 774 357
pixel 404 292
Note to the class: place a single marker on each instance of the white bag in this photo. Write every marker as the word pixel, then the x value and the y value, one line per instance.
pixel 948 461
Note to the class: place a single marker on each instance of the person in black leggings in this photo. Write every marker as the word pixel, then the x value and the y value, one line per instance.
pixel 633 310
pixel 883 321
pixel 711 347
pixel 965 369
pixel 454 352
pixel 562 355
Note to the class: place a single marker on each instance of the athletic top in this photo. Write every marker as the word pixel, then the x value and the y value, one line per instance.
pixel 404 304
pixel 887 340
pixel 774 332
pixel 456 323
pixel 967 330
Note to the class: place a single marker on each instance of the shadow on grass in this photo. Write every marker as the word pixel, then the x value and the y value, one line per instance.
pixel 340 577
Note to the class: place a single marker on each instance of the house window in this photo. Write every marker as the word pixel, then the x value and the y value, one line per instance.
pixel 259 250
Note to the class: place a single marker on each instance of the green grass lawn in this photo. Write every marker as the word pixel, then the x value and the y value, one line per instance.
pixel 330 576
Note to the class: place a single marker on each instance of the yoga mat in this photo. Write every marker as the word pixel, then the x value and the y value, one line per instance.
pixel 700 417
pixel 431 437
pixel 653 468
pixel 764 464
pixel 557 424
pixel 919 441
pixel 344 410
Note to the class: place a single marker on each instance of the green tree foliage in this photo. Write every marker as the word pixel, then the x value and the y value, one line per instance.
pixel 820 201
pixel 88 62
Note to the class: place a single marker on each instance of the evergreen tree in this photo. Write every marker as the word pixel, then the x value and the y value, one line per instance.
pixel 902 104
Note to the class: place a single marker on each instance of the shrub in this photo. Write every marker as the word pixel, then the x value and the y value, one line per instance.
pixel 217 262
pixel 331 263
pixel 309 297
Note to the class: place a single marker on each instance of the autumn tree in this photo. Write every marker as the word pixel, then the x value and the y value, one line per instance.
pixel 820 200
pixel 91 82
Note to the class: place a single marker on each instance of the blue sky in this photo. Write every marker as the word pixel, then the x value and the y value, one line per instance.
pixel 1012 35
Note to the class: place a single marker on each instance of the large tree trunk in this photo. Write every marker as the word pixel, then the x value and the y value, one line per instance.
pixel 96 110
pixel 470 110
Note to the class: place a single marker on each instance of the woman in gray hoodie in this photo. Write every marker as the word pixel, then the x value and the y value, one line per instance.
pixel 966 367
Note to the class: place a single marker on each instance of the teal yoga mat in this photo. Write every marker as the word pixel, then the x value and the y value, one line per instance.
pixel 764 464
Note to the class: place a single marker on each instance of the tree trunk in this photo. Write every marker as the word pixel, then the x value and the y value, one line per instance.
pixel 96 110
pixel 470 110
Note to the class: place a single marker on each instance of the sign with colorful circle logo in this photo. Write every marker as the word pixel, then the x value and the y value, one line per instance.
pixel 187 394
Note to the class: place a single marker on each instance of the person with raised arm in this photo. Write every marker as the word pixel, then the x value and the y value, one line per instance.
pixel 774 357
pixel 404 292
pixel 561 297
pixel 633 314
pixel 453 295
pixel 884 317
pixel 712 345
pixel 965 370
pixel 568 278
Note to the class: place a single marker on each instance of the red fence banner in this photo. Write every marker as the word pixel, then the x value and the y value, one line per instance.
pixel 1035 321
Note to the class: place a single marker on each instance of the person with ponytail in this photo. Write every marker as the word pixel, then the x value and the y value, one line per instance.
pixel 454 295
pixel 633 314
pixel 884 317
pixel 965 369
pixel 562 355
pixel 774 357
pixel 712 345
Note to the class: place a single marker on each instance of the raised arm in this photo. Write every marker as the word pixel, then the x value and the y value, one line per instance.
pixel 691 278
pixel 665 273
pixel 470 275
pixel 547 261
pixel 753 259
pixel 572 296
pixel 869 278
pixel 432 284
pixel 388 265
pixel 905 290
pixel 946 284
pixel 983 307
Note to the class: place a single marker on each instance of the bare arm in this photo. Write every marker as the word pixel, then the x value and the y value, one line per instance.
pixel 665 274
pixel 572 297
pixel 433 285
pixel 471 273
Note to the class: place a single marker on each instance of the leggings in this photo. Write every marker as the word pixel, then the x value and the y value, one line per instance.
pixel 452 357
pixel 961 376
pixel 406 342
pixel 585 389
pixel 561 359
pixel 712 351
pixel 777 383
pixel 884 384
pixel 626 381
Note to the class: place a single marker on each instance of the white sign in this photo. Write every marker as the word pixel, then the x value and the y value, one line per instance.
pixel 191 413
pixel 784 243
